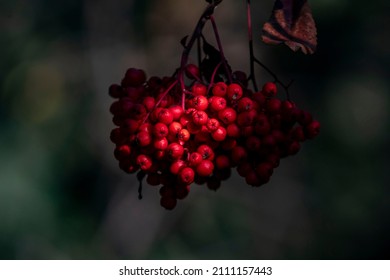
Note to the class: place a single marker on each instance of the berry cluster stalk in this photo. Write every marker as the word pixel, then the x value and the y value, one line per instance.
pixel 194 37
pixel 254 60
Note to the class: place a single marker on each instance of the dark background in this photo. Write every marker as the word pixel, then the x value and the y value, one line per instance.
pixel 62 195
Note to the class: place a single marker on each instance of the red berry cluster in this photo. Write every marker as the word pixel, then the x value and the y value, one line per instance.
pixel 175 142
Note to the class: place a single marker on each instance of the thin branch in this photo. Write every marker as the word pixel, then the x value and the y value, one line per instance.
pixel 219 43
pixel 276 79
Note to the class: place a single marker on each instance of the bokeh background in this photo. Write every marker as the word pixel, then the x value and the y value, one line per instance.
pixel 62 195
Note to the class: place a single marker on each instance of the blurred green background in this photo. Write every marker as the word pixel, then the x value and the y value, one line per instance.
pixel 62 195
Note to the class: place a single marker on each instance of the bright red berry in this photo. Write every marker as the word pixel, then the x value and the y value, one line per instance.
pixel 174 151
pixel 217 103
pixel 194 159
pixel 219 134
pixel 227 115
pixel 205 168
pixel 199 89
pixel 143 138
pixel 187 175
pixel 234 92
pixel 220 89
pixel 160 130
pixel 200 118
pixel 200 103
pixel 165 116
pixel 144 162
pixel 212 124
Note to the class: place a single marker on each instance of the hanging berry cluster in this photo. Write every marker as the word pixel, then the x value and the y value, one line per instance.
pixel 202 122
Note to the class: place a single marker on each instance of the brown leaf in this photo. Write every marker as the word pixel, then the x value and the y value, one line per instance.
pixel 291 23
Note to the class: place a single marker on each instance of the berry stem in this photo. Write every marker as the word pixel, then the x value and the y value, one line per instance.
pixel 199 50
pixel 195 35
pixel 213 76
pixel 250 42
pixel 218 39
pixel 140 176
pixel 276 79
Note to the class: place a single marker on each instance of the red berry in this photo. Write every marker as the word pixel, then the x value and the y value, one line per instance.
pixel 200 103
pixel 165 116
pixel 205 168
pixel 194 159
pixel 206 152
pixel 252 179
pixel 246 118
pixel 227 115
pixel 134 77
pixel 182 191
pixel 144 162
pixel 149 103
pixel 298 133
pixel 174 151
pixel 259 98
pixel 245 104
pixel 234 92
pixel 212 124
pixel 238 155
pixel 217 103
pixel 185 119
pixel 176 111
pixel 194 128
pixel 304 118
pixel 115 91
pixel 262 125
pixel 253 143
pixel 147 127
pixel 264 170
pixel 228 144
pixel 153 179
pixel 268 141
pixel 312 129
pixel 244 168
pixel 213 183
pixel 160 144
pixel 200 118
pixel 116 135
pixel 143 138
pixel 269 89
pixel 233 130
pixel 130 126
pixel 174 128
pixel 177 166
pixel 191 71
pixel 183 135
pixel 168 202
pixel 187 175
pixel 220 89
pixel 160 130
pixel 222 162
pixel 199 89
pixel 122 151
pixel 219 134
pixel 273 106
pixel 293 148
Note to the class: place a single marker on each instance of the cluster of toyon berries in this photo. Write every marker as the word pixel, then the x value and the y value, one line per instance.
pixel 175 142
